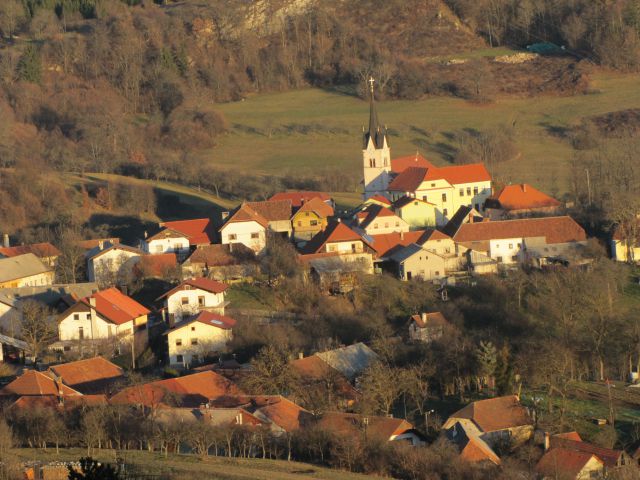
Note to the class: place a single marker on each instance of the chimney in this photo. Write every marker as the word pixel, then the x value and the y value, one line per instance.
pixel 146 234
pixel 225 215
pixel 124 289
pixel 547 441
pixel 524 187
pixel 401 235
pixel 100 244
pixel 92 301
pixel 231 248
pixel 300 355
pixel 5 241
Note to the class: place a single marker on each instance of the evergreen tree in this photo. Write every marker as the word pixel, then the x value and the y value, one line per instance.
pixel 30 65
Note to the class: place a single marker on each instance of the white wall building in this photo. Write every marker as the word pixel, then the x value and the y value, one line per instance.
pixel 193 296
pixel 245 226
pixel 107 262
pixel 167 241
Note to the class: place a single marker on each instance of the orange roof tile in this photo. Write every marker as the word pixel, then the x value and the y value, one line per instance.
pixel 89 375
pixel 53 401
pixel 608 456
pixel 575 436
pixel 316 205
pixel 410 179
pixel 379 198
pixel 313 369
pixel 434 319
pixel 40 250
pixel 191 390
pixel 298 198
pixel 563 463
pixel 523 197
pixel 400 164
pixel 352 424
pixel 246 214
pixel 282 412
pixel 477 450
pixel 155 265
pixel 334 233
pixel 220 255
pixel 199 231
pixel 554 229
pixel 36 383
pixel 202 283
pixel 115 306
pixel 373 211
pixel 272 210
pixel 495 414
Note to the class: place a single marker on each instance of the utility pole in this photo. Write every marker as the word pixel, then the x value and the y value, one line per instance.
pixel 426 419
pixel 588 186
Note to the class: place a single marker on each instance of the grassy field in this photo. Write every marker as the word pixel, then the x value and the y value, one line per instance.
pixel 311 129
pixel 185 466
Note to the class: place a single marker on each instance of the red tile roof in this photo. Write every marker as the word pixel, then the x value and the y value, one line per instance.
pixel 202 283
pixel 282 412
pixel 41 250
pixel 554 229
pixel 381 199
pixel 191 390
pixel 371 212
pixel 495 414
pixel 272 210
pixel 216 320
pixel 352 424
pixel 89 375
pixel 477 450
pixel 115 306
pixel 155 265
pixel 575 436
pixel 314 369
pixel 563 463
pixel 36 383
pixel 53 401
pixel 434 319
pixel 523 197
pixel 334 233
pixel 221 255
pixel 400 164
pixel 246 214
pixel 387 243
pixel 318 206
pixel 298 198
pixel 412 177
pixel 608 456
pixel 199 231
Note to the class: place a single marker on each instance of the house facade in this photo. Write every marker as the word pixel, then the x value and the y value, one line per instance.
pixel 520 200
pixel 106 263
pixel 245 226
pixel 376 220
pixel 414 262
pixel 192 340
pixel 167 241
pixel 427 327
pixel 25 270
pixel 192 296
pixel 416 212
pixel 311 218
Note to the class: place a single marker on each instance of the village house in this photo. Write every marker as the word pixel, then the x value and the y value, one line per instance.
pixel 46 252
pixel 375 219
pixel 167 240
pixel 625 242
pixel 24 270
pixel 415 211
pixel 480 426
pixel 193 339
pixel 105 315
pixel 34 383
pixel 535 241
pixel 180 236
pixel 351 361
pixel 192 296
pixel 315 373
pixel 299 198
pixel 414 262
pixel 520 200
pixel 427 327
pixel 277 213
pixel 108 263
pixel 162 265
pixel 310 218
pixel 224 263
pixel 244 226
pixel 355 426
pixel 90 376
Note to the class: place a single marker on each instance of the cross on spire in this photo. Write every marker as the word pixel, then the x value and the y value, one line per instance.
pixel 371 82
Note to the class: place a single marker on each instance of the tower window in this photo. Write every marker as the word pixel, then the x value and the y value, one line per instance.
pixel 468 191
pixel 372 162
pixel 444 197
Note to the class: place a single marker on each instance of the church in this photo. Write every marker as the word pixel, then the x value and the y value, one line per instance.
pixel 445 188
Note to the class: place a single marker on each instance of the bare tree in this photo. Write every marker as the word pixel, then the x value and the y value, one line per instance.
pixel 38 327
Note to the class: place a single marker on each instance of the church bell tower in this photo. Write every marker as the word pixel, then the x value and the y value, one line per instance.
pixel 376 155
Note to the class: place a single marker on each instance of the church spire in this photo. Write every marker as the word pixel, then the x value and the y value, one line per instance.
pixel 374 133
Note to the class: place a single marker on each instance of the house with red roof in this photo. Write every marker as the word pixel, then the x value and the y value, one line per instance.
pixel 95 375
pixel 167 240
pixel 199 231
pixel 187 391
pixel 299 198
pixel 427 326
pixel 34 383
pixel 375 219
pixel 105 315
pixel 196 338
pixel 245 225
pixel 361 427
pixel 311 218
pixel 486 423
pixel 325 382
pixel 193 296
pixel 528 240
pixel 162 265
pixel 610 458
pixel 230 262
pixel 276 212
pixel 520 200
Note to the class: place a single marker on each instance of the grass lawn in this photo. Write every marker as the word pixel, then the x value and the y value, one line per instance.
pixel 307 130
pixel 251 297
pixel 183 466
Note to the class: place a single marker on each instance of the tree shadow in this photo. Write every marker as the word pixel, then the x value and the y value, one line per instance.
pixel 128 228
pixel 557 131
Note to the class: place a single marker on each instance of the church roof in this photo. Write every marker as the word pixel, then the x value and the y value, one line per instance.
pixel 375 131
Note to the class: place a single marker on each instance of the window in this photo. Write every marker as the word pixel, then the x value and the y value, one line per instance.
pixel 76 316
pixel 179 358
pixel 306 214
pixel 178 342
pixel 80 333
pixel 88 316
pixel 331 248
pixel 475 190
pixel 386 224
pixel 353 248
pixel 255 235
pixel 444 197
pixel 445 212
pixel 447 250
pixel 433 184
pixel 184 300
pixel 499 259
pixel 193 329
pixel 514 258
pixel 462 192
pixel 497 245
pixel 299 224
pixel 313 223
pixel 178 247
pixel 233 236
pixel 375 225
pixel 468 191
pixel 511 245
pixel 416 203
pixel 194 341
pixel 201 301
pixel 424 199
pixel 437 273
pixel 397 224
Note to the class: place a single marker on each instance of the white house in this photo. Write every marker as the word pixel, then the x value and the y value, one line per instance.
pixel 193 296
pixel 192 340
pixel 105 315
pixel 167 240
pixel 245 226
pixel 107 262
pixel 375 220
